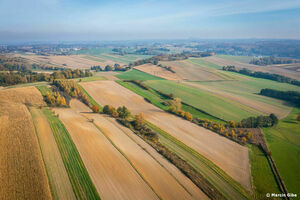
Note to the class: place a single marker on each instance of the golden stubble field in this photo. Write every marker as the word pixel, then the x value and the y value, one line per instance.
pixel 72 61
pixel 22 171
pixel 229 156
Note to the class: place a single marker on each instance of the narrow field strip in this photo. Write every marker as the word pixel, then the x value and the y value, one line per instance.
pixel 60 184
pixel 79 177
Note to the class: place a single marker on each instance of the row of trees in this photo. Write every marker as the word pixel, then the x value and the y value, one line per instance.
pixel 272 60
pixel 290 96
pixel 175 108
pixel 171 57
pixel 12 78
pixel 115 67
pixel 166 68
pixel 70 88
pixel 265 75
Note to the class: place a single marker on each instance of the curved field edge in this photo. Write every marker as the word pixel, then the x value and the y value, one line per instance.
pixel 237 187
pixel 79 177
pixel 59 181
pixel 284 142
pixel 156 100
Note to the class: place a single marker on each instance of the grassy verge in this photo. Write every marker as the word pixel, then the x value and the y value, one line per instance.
pixel 217 177
pixel 81 182
pixel 43 89
pixel 284 143
pixel 90 78
pixel 27 84
pixel 91 100
pixel 157 99
pixel 263 179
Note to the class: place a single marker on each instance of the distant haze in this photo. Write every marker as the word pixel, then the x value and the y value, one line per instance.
pixel 71 20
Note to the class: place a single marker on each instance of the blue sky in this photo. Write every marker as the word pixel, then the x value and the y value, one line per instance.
pixel 28 20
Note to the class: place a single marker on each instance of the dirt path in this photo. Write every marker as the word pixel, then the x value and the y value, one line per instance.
pixel 61 187
pixel 111 173
pixel 229 156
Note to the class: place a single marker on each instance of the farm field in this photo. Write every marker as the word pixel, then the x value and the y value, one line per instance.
pixel 269 68
pixel 189 186
pixel 125 59
pixel 137 75
pixel 206 101
pixel 284 142
pixel 242 59
pixel 158 71
pixel 60 184
pixel 263 178
pixel 112 175
pixel 246 92
pixel 22 171
pixel 162 182
pixel 189 71
pixel 225 154
pixel 72 61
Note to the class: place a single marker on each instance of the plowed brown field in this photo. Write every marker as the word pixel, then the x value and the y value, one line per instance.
pixel 22 171
pixel 158 71
pixel 111 173
pixel 188 71
pixel 229 156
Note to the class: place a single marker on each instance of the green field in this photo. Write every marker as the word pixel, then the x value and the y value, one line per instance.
pixel 203 63
pixel 284 143
pixel 137 75
pixel 250 88
pixel 43 89
pixel 263 180
pixel 27 84
pixel 157 99
pixel 209 103
pixel 224 183
pixel 242 59
pixel 79 177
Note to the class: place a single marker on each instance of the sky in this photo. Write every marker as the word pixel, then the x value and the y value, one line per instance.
pixel 84 20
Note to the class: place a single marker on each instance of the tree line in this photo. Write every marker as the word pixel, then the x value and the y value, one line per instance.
pixel 171 57
pixel 272 60
pixel 265 75
pixel 290 96
pixel 12 78
pixel 115 67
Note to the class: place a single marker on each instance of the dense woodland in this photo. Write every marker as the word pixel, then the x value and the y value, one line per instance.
pixel 290 96
pixel 265 75
pixel 272 60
